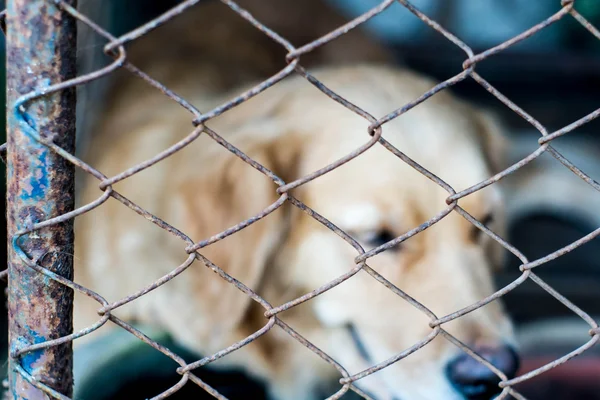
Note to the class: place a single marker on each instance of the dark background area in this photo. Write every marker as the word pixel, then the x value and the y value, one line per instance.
pixel 557 84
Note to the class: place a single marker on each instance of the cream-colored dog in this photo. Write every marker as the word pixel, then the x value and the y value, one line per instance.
pixel 293 129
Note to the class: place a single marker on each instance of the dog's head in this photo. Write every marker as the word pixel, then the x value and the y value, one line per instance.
pixel 293 129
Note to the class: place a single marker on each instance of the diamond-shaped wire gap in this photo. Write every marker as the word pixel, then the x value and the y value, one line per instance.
pixel 564 358
pixel 394 359
pixel 154 160
pixel 324 356
pixel 437 27
pixel 331 283
pixel 288 70
pixel 499 293
pixel 238 153
pixel 556 17
pixel 238 345
pixel 281 90
pixel 542 342
pixel 294 337
pixel 589 320
pixel 154 285
pixel 470 63
pixel 342 30
pixel 595 32
pixel 421 344
pixel 526 160
pixel 249 221
pixel 553 209
pixel 375 133
pixel 520 37
pixel 123 361
pixel 173 148
pixel 120 56
pixel 375 128
pixel 177 271
pixel 159 223
pixel 571 127
pixel 188 262
pixel 150 25
pixel 562 251
pixel 199 117
pixel 132 255
pixel 344 277
pixel 140 335
pixel 417 167
pixel 235 346
pixel 278 334
pixel 199 47
pixel 229 380
pixel 545 180
pixel 179 146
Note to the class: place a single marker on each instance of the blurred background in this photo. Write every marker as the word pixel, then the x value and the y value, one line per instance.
pixel 554 76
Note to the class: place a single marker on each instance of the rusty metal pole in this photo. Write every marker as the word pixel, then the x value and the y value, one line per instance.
pixel 40 51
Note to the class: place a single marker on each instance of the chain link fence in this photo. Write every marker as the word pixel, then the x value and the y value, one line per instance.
pixel 375 136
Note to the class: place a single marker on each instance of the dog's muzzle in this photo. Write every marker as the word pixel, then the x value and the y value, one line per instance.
pixel 474 380
pixel 468 376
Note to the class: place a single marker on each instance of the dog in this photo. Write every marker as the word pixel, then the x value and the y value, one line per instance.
pixel 293 129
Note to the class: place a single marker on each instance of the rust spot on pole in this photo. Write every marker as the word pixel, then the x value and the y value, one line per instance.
pixel 40 52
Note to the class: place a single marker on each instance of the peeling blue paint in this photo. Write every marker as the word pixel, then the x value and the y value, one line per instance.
pixel 39 180
pixel 29 359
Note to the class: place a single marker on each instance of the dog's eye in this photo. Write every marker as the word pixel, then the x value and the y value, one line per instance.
pixel 377 238
pixel 486 220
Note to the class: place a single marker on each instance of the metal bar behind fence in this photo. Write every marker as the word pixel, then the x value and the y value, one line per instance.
pixel 40 52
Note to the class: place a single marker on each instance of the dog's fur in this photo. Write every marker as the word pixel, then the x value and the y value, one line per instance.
pixel 294 129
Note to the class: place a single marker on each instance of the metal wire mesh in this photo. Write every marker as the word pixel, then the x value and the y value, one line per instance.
pixel 115 48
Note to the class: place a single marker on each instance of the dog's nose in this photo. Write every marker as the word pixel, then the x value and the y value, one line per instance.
pixel 474 380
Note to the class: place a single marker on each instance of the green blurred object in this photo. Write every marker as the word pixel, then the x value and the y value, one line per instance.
pixel 119 366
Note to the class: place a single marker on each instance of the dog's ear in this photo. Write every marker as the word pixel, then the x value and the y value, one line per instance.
pixel 225 192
